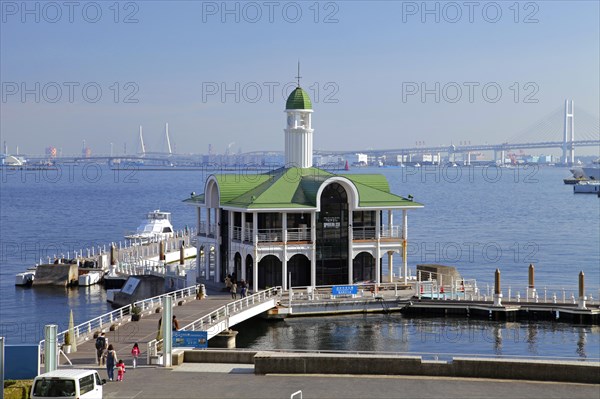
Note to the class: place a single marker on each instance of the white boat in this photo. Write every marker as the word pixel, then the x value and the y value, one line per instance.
pixel 156 227
pixel 592 171
pixel 587 187
pixel 25 278
pixel 90 278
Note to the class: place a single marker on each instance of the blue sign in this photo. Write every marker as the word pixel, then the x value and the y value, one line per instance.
pixel 22 362
pixel 344 290
pixel 190 339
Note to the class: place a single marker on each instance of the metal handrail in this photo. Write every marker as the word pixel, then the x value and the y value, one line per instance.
pixel 270 235
pixel 299 234
pixel 85 330
pixel 206 322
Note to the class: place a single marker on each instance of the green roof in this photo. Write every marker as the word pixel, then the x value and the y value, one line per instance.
pixel 298 99
pixel 297 188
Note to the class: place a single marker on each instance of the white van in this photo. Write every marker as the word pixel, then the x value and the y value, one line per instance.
pixel 68 383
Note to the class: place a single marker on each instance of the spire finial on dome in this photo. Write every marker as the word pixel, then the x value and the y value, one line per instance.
pixel 298 77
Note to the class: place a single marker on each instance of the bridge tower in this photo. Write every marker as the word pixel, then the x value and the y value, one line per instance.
pixel 568 146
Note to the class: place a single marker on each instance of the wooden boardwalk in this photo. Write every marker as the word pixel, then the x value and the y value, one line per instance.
pixel 145 330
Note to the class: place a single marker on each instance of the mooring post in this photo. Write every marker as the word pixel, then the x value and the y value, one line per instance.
pixel 182 254
pixel 531 285
pixel 113 258
pixel 161 250
pixel 582 297
pixel 497 290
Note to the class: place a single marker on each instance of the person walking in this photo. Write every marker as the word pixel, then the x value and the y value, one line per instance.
pixel 244 289
pixel 120 370
pixel 135 352
pixel 175 323
pixel 234 290
pixel 101 345
pixel 111 362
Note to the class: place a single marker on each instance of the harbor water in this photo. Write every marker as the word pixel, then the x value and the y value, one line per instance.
pixel 477 219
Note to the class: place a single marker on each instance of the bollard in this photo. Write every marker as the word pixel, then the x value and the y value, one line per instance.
pixel 497 290
pixel 181 254
pixel 582 297
pixel 50 348
pixel 161 249
pixel 531 284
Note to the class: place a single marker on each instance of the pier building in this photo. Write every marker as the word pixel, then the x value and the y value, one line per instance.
pixel 300 225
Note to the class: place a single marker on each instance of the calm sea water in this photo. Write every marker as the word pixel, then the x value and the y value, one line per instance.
pixel 477 219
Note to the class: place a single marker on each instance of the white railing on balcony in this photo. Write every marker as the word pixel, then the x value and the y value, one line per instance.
pixel 237 233
pixel 368 232
pixel 212 228
pixel 298 234
pixel 393 232
pixel 363 233
pixel 270 235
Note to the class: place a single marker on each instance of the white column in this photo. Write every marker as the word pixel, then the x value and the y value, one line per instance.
pixel 255 246
pixel 313 238
pixel 404 244
pixel 243 254
pixel 284 226
pixel 167 332
pixel 243 218
pixel 207 262
pixel 390 222
pixel 390 266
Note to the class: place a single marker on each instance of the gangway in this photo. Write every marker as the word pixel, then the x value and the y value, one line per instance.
pixel 227 316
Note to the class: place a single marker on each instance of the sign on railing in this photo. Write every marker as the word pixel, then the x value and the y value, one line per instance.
pixel 344 290
pixel 190 339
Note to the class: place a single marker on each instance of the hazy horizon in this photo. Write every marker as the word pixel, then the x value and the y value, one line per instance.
pixel 97 71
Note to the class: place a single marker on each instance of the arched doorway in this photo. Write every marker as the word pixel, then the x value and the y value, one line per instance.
pixel 249 270
pixel 363 267
pixel 332 236
pixel 269 272
pixel 237 266
pixel 299 266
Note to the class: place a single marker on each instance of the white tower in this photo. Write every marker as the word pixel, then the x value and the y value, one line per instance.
pixel 569 133
pixel 299 132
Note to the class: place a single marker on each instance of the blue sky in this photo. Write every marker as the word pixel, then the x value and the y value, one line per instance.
pixel 359 60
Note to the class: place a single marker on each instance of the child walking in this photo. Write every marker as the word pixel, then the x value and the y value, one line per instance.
pixel 120 370
pixel 135 352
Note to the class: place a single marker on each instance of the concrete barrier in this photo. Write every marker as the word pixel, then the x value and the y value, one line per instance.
pixel 536 370
pixel 56 274
pixel 218 356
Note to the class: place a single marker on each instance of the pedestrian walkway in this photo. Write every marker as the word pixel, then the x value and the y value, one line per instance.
pixel 145 330
pixel 235 381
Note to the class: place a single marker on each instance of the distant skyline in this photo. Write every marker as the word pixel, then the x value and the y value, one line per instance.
pixel 380 74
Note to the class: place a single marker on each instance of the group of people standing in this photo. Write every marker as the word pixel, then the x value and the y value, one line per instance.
pixel 232 286
pixel 106 354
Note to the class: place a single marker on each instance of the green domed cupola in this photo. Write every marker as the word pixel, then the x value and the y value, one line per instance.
pixel 298 99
